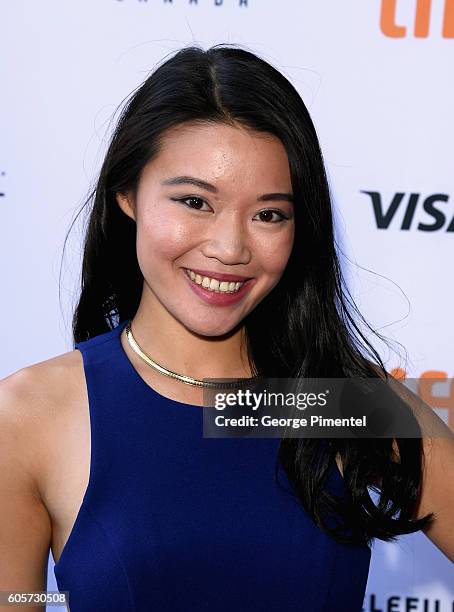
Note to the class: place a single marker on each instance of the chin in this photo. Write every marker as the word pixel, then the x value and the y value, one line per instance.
pixel 214 330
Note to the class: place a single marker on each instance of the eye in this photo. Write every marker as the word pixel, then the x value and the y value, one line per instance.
pixel 194 202
pixel 197 203
pixel 269 212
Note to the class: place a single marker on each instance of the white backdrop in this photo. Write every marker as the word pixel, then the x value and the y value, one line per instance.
pixel 377 78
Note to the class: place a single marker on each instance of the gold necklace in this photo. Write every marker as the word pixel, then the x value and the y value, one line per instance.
pixel 188 380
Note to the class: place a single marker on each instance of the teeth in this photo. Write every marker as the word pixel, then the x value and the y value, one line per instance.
pixel 212 284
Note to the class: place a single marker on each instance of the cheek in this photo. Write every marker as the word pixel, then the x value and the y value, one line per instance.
pixel 275 252
pixel 161 238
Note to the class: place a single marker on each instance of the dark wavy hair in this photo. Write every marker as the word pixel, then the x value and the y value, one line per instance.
pixel 318 330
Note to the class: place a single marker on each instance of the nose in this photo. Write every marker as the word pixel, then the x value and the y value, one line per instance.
pixel 227 241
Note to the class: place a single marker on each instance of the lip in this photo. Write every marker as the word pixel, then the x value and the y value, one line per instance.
pixel 220 276
pixel 216 298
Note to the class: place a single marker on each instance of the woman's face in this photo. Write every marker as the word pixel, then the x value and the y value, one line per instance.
pixel 215 201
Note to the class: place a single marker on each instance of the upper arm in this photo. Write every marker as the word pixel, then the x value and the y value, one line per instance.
pixel 436 492
pixel 25 527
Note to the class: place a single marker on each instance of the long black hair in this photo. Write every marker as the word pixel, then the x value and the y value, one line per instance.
pixel 317 332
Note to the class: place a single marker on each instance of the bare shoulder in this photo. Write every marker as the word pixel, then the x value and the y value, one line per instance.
pixel 34 400
pixel 33 404
pixel 45 381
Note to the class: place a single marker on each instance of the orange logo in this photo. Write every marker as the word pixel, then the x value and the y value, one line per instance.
pixel 425 390
pixel 389 27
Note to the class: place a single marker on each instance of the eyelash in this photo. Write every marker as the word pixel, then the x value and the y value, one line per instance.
pixel 283 216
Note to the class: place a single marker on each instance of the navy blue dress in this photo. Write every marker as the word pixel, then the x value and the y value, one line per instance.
pixel 174 522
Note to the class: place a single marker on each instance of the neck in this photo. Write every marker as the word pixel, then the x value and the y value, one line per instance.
pixel 175 347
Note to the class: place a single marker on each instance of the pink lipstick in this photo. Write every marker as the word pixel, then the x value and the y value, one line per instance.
pixel 217 298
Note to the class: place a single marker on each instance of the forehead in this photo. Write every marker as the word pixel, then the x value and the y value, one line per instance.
pixel 223 154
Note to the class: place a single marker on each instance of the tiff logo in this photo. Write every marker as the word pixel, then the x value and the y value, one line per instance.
pixel 421 24
pixel 426 390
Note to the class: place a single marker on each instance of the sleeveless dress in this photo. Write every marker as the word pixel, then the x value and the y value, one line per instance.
pixel 175 522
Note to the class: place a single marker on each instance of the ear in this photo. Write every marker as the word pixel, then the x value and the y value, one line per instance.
pixel 127 204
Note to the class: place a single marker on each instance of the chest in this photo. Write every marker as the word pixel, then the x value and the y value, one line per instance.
pixel 202 526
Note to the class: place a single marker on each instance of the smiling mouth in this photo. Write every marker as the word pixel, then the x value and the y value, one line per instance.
pixel 213 284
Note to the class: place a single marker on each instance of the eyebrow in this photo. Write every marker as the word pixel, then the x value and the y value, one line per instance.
pixel 190 180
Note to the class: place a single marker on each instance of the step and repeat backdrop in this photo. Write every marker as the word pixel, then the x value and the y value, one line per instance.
pixel 377 77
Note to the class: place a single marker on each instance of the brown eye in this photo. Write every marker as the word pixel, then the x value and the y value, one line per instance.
pixel 191 202
pixel 267 216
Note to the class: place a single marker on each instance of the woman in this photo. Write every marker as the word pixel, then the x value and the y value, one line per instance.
pixel 209 254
